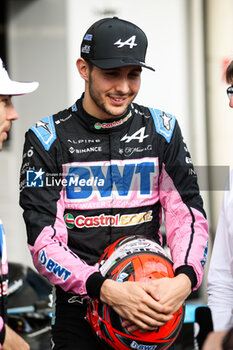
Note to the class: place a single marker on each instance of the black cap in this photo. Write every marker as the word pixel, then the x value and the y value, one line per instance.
pixel 112 43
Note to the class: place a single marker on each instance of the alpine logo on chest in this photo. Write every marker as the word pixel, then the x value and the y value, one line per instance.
pixel 139 135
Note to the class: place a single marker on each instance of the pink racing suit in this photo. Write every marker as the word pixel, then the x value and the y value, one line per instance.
pixel 3 284
pixel 86 182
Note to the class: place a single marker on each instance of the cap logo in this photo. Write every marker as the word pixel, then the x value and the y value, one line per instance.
pixel 86 49
pixel 88 37
pixel 130 42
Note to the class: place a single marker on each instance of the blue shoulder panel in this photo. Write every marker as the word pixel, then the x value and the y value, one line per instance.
pixel 1 238
pixel 3 250
pixel 74 108
pixel 45 131
pixel 164 123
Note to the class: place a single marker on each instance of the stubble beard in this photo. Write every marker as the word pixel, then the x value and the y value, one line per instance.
pixel 102 106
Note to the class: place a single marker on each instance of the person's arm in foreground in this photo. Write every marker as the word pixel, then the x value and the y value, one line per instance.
pixel 221 340
pixel 13 341
pixel 220 279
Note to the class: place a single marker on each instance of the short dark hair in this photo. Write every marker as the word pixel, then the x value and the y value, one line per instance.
pixel 229 73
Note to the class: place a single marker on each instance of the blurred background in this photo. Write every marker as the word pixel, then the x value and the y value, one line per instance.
pixel 190 45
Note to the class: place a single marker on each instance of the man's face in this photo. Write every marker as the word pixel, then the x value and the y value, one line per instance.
pixel 111 91
pixel 230 94
pixel 7 115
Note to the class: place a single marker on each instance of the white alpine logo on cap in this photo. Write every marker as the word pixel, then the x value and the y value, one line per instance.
pixel 130 42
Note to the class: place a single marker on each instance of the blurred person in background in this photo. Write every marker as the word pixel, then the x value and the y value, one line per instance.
pixel 9 339
pixel 220 275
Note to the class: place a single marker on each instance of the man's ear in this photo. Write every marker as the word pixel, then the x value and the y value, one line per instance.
pixel 83 68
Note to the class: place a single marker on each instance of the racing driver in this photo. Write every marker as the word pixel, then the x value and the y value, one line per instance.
pixel 102 169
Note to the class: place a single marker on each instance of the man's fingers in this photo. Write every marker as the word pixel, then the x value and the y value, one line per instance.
pixel 151 305
pixel 145 319
pixel 134 303
pixel 159 308
pixel 150 316
pixel 145 324
pixel 153 319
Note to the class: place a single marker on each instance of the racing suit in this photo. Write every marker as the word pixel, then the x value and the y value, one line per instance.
pixel 3 284
pixel 220 275
pixel 86 182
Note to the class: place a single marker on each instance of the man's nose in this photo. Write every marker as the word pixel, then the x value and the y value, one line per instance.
pixel 123 86
pixel 12 113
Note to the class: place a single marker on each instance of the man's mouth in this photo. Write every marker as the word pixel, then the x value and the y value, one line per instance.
pixel 117 100
pixel 6 133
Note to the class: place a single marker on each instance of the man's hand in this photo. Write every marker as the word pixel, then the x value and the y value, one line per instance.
pixel 135 302
pixel 149 304
pixel 13 341
pixel 214 341
pixel 171 292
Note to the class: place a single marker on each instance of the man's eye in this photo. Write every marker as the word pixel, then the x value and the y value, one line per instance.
pixel 135 75
pixel 111 73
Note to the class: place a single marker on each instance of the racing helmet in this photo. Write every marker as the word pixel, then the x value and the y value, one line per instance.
pixel 133 258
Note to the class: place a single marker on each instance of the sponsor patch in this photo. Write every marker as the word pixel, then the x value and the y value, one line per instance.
pixel 138 135
pixel 85 150
pixel 63 119
pixel 121 183
pixel 86 49
pixel 81 141
pixel 3 288
pixel 88 37
pixel 135 345
pixel 128 151
pixel 53 267
pixel 203 261
pixel 103 220
pixel 113 124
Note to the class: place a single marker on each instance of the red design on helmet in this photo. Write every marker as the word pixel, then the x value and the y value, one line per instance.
pixel 133 258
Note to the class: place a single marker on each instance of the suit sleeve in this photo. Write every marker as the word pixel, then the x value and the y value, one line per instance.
pixel 3 283
pixel 43 206
pixel 220 275
pixel 185 219
pixel 2 332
